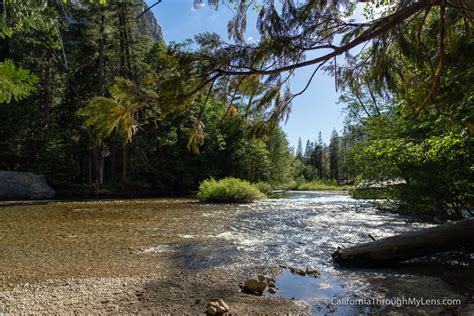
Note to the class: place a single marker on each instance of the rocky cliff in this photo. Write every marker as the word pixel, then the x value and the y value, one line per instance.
pixel 149 24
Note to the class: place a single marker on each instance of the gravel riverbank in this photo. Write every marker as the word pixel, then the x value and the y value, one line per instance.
pixel 171 293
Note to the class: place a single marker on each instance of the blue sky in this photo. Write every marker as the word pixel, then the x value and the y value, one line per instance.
pixel 316 110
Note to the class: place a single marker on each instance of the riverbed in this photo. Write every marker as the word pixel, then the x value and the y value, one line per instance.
pixel 174 255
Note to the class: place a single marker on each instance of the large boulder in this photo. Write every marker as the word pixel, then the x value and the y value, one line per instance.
pixel 256 284
pixel 24 185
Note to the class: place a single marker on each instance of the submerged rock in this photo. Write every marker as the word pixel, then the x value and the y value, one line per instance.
pixel 24 185
pixel 297 271
pixel 314 272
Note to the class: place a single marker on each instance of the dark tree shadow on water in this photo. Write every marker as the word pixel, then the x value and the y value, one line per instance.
pixel 199 256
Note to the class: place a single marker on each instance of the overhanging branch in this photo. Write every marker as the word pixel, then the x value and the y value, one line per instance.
pixel 379 27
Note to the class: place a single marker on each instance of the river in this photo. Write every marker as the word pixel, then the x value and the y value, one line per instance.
pixel 58 239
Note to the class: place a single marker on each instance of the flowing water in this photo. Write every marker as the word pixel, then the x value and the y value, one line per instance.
pixel 90 238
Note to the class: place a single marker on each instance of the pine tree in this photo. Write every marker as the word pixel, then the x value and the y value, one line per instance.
pixel 334 156
pixel 299 149
pixel 307 150
pixel 316 159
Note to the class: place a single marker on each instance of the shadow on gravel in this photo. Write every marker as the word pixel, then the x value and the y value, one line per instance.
pixel 188 292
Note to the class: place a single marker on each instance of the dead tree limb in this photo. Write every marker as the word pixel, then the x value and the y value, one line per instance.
pixel 382 252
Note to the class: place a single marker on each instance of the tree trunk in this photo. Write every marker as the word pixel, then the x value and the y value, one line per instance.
pixel 5 41
pixel 113 158
pixel 124 162
pixel 97 167
pixel 90 167
pixel 382 252
pixel 4 48
pixel 122 40
pixel 100 74
pixel 97 150
pixel 48 88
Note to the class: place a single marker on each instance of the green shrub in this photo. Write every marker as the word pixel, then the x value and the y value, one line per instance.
pixel 371 193
pixel 264 187
pixel 322 185
pixel 228 190
pixel 291 185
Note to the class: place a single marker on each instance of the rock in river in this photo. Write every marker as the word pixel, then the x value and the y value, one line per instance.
pixel 297 271
pixel 24 185
pixel 312 271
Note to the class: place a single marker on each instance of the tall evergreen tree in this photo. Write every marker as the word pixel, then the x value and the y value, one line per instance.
pixel 308 149
pixel 299 149
pixel 334 156
pixel 316 159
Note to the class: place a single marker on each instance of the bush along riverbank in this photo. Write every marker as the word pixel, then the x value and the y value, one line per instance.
pixel 233 190
pixel 314 185
pixel 229 190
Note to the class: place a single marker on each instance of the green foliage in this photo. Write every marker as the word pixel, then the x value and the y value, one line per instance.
pixel 322 162
pixel 334 155
pixel 410 111
pixel 371 193
pixel 118 113
pixel 280 157
pixel 22 15
pixel 43 133
pixel 15 83
pixel 322 185
pixel 16 17
pixel 256 161
pixel 399 154
pixel 290 185
pixel 433 157
pixel 228 190
pixel 264 187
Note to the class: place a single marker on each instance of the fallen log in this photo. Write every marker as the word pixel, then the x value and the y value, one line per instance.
pixel 382 252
